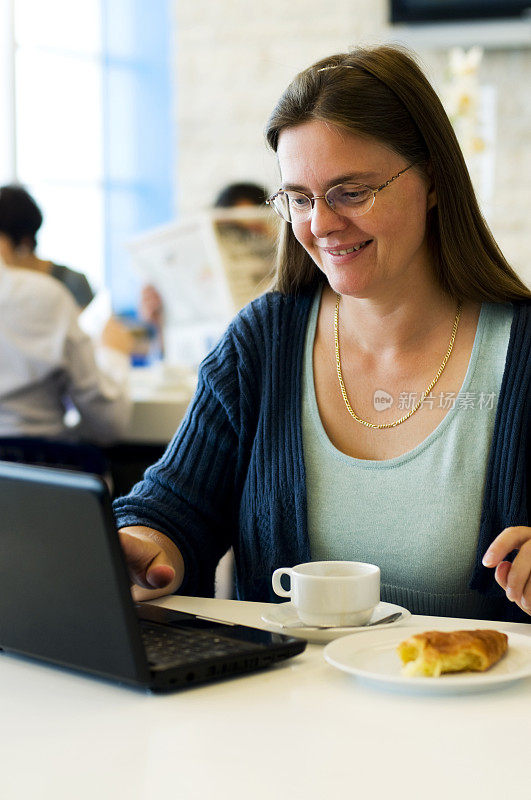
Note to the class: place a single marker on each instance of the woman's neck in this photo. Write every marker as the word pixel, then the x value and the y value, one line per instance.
pixel 394 324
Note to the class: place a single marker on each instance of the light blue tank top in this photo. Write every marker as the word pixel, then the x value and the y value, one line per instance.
pixel 417 515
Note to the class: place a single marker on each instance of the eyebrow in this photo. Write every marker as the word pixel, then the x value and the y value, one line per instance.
pixel 356 177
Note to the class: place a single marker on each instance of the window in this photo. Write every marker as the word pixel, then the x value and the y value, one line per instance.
pixel 90 112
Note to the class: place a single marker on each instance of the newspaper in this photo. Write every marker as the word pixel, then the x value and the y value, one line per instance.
pixel 205 268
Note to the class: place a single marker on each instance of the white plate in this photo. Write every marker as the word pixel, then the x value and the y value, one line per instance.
pixel 373 658
pixel 285 617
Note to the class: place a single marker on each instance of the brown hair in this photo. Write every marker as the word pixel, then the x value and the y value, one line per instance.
pixel 382 93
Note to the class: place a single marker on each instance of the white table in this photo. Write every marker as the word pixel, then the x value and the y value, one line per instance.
pixel 300 730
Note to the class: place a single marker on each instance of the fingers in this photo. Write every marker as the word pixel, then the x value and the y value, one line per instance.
pixel 148 565
pixel 518 583
pixel 139 553
pixel 515 577
pixel 159 576
pixel 502 573
pixel 508 540
pixel 155 565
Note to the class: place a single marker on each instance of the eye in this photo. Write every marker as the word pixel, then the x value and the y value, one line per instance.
pixel 351 195
pixel 297 201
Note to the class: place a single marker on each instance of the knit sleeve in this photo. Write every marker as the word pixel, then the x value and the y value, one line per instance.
pixel 507 492
pixel 190 493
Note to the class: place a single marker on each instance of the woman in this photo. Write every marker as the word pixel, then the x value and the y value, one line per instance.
pixel 335 417
pixel 20 220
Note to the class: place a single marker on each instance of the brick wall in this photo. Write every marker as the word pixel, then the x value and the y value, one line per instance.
pixel 233 58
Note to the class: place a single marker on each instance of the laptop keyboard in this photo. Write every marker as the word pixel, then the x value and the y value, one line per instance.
pixel 172 646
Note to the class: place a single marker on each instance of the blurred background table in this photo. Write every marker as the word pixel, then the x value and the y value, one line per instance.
pixel 161 394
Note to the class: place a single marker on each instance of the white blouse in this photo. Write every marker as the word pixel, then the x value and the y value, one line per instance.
pixel 48 364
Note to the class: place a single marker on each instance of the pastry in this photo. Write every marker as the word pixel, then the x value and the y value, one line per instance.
pixel 434 652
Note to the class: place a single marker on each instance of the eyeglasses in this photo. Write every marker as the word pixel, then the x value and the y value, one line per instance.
pixel 349 199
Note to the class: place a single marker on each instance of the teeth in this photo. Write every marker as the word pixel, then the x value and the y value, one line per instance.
pixel 348 250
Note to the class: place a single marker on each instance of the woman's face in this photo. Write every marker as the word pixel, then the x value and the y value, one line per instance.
pixel 313 157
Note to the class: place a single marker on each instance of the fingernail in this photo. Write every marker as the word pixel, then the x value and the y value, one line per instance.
pixel 524 603
pixel 487 559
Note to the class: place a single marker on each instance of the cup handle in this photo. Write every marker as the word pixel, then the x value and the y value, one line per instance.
pixel 277 586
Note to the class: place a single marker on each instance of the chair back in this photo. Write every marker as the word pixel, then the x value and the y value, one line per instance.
pixel 81 457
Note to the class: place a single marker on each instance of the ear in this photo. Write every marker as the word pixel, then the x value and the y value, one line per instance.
pixel 432 194
pixel 432 198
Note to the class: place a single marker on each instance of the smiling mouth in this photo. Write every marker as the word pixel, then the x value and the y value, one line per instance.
pixel 348 250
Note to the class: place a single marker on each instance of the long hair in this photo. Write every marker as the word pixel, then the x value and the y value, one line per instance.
pixel 382 93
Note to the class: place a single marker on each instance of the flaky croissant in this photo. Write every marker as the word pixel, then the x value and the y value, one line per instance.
pixel 434 652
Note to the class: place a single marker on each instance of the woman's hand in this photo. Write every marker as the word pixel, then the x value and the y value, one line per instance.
pixel 515 577
pixel 155 564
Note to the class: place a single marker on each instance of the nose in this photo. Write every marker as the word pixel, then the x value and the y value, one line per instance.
pixel 324 220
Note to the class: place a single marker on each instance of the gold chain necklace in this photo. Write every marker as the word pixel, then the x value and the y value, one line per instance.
pixel 426 391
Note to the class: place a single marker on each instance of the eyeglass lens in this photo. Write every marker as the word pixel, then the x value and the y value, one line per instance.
pixel 346 198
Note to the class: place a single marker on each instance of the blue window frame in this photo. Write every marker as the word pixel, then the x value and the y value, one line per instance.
pixel 138 141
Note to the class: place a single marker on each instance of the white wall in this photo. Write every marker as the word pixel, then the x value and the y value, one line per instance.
pixel 233 58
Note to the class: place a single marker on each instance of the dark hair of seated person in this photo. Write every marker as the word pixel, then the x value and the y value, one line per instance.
pixel 20 216
pixel 241 193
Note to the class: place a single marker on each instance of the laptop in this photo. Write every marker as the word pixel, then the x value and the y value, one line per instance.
pixel 65 594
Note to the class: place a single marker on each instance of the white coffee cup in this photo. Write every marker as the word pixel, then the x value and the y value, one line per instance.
pixel 331 593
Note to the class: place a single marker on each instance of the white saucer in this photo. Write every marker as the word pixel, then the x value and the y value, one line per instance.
pixel 285 618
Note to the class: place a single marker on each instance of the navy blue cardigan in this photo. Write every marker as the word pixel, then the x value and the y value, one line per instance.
pixel 233 475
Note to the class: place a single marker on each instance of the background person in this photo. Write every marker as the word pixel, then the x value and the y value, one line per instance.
pixel 387 278
pixel 237 195
pixel 234 195
pixel 47 364
pixel 20 220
